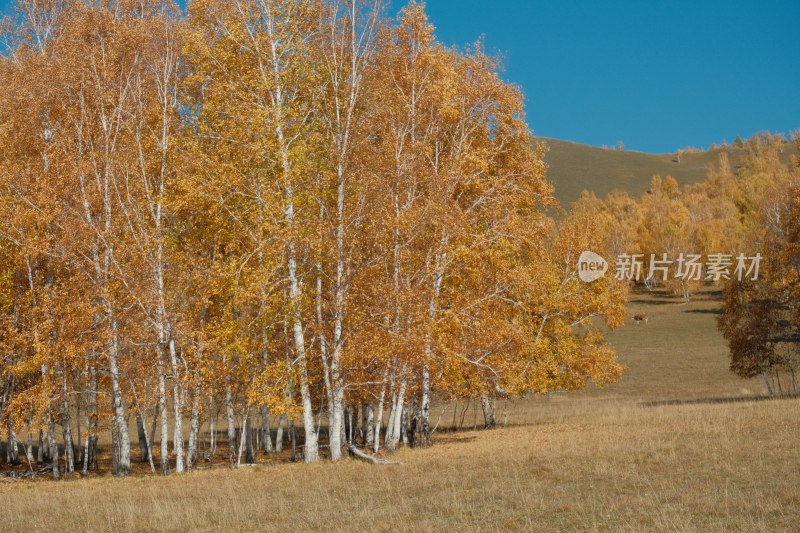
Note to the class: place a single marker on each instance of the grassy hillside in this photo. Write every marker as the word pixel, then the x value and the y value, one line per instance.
pixel 594 460
pixel 574 167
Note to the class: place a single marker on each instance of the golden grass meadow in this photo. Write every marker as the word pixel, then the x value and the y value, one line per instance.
pixel 594 460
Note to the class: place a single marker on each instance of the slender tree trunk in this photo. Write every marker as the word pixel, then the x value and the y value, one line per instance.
pixel 123 465
pixel 194 427
pixel 278 94
pixel 279 434
pixel 769 386
pixel 266 437
pixel 51 437
pixel 142 438
pixel 345 79
pixel 464 413
pixel 368 423
pixel 488 405
pixel 114 443
pixel 145 442
pixel 230 417
pixel 248 435
pixel 433 307
pixel 212 428
pixel 12 453
pixel 162 408
pixel 78 440
pixel 347 426
pixel 86 454
pixel 376 437
pixel 396 418
pixel 90 457
pixel 177 407
pixel 29 449
pixel 338 340
pixel 337 419
pixel 404 427
pixel 293 440
pixel 311 449
pixel 243 439
pixel 355 426
pixel 420 428
pixel 153 427
pixel 323 343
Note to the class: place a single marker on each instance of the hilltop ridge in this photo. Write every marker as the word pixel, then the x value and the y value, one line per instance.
pixel 575 167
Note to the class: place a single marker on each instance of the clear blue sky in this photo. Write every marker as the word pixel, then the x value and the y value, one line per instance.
pixel 655 75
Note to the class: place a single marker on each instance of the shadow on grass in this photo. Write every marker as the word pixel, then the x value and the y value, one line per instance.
pixel 457 436
pixel 731 399
pixel 654 302
pixel 704 311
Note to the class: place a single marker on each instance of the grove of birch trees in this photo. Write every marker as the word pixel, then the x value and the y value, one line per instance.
pixel 270 219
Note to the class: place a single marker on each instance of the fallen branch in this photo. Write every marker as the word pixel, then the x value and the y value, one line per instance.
pixel 355 452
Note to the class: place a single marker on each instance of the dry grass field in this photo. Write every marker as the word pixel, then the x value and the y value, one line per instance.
pixel 593 460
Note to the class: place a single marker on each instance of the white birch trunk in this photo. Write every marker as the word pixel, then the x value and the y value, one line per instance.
pixel 177 400
pixel 123 466
pixel 337 425
pixel 396 418
pixel 141 433
pixel 162 410
pixel 278 67
pixel 376 437
pixel 423 436
pixel 29 449
pixel 66 427
pixel 279 434
pixel 488 405
pixel 12 452
pixel 53 452
pixel 248 439
pixel 90 447
pixel 212 429
pixel 368 423
pixel 323 348
pixel 311 449
pixel 266 437
pixel 231 419
pixel 194 427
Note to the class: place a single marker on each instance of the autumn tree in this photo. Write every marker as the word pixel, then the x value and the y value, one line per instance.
pixel 760 316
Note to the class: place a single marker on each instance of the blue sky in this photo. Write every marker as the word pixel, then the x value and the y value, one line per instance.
pixel 655 75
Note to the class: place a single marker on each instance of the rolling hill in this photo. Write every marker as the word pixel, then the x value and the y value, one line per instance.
pixel 576 167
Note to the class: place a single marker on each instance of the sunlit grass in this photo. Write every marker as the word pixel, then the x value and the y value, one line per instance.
pixel 589 461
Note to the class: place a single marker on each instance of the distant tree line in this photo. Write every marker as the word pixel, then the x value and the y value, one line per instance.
pixel 754 209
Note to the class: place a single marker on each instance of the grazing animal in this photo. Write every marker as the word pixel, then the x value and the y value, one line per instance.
pixel 640 318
